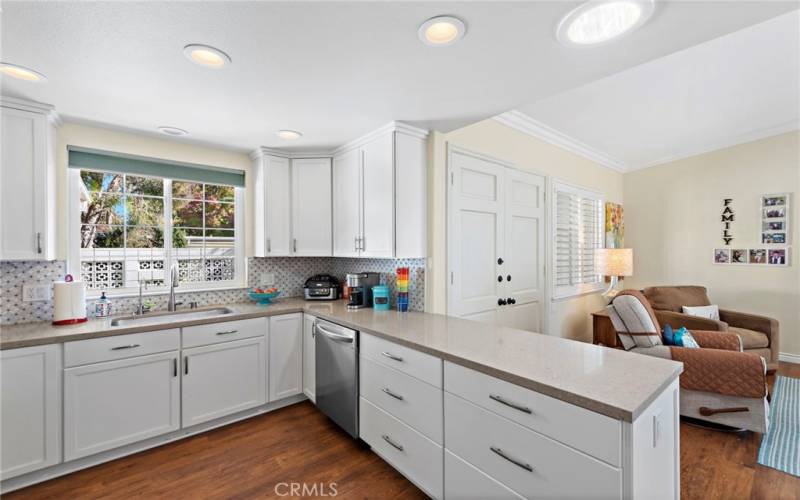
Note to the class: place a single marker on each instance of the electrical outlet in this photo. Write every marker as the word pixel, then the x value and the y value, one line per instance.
pixel 35 293
pixel 267 279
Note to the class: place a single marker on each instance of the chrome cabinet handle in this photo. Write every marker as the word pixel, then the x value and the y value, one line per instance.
pixel 392 356
pixel 390 393
pixel 174 367
pixel 120 347
pixel 514 461
pixel 269 245
pixel 38 242
pixel 398 447
pixel 363 243
pixel 227 332
pixel 294 245
pixel 186 365
pixel 355 244
pixel 511 404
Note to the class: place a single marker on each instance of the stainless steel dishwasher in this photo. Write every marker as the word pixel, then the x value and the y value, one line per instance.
pixel 337 374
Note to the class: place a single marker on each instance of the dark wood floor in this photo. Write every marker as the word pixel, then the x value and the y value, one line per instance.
pixel 298 444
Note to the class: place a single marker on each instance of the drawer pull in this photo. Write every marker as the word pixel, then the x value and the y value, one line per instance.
pixel 120 347
pixel 392 443
pixel 514 461
pixel 501 400
pixel 390 393
pixel 392 356
pixel 227 332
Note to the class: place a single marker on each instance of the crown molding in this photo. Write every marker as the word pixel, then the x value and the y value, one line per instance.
pixel 751 136
pixel 35 107
pixel 393 126
pixel 525 124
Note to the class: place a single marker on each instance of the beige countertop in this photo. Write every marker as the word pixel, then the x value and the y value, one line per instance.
pixel 608 381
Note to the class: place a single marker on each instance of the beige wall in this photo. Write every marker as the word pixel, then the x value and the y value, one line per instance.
pixel 569 318
pixel 672 216
pixel 71 134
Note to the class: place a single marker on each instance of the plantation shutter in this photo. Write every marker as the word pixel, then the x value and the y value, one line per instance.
pixel 578 223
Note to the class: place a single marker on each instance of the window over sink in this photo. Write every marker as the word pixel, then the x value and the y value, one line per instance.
pixel 128 228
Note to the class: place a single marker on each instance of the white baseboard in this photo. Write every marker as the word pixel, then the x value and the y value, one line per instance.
pixel 789 358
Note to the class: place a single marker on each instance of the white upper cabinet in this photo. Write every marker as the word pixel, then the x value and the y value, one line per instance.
pixel 347 203
pixel 311 207
pixel 292 206
pixel 27 181
pixel 379 195
pixel 273 234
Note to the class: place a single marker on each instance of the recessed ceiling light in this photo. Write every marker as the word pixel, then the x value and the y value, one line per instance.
pixel 441 31
pixel 21 72
pixel 207 56
pixel 288 135
pixel 599 21
pixel 173 131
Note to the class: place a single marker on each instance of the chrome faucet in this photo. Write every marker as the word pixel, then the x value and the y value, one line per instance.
pixel 173 282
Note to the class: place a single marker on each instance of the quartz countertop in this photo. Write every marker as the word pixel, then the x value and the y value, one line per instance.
pixel 612 382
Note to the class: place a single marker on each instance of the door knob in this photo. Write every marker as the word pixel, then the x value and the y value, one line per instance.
pixel 499 279
pixel 501 302
pixel 511 301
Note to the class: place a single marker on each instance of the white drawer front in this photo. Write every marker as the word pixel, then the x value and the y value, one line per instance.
pixel 544 468
pixel 414 402
pixel 84 352
pixel 417 364
pixel 408 451
pixel 590 432
pixel 463 481
pixel 214 333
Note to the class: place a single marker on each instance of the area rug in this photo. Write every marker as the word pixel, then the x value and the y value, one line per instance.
pixel 780 447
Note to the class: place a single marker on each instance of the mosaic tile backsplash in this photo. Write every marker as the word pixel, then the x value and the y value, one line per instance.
pixel 290 274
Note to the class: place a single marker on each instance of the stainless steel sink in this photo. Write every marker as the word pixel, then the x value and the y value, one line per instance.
pixel 166 318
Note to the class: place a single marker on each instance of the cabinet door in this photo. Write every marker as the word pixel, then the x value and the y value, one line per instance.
pixel 309 358
pixel 311 207
pixel 346 203
pixel 278 206
pixel 378 193
pixel 30 415
pixel 221 379
pixel 285 356
pixel 23 185
pixel 111 404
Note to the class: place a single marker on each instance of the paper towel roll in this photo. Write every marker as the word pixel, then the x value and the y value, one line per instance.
pixel 69 302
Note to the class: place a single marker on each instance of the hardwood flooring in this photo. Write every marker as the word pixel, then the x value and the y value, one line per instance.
pixel 298 444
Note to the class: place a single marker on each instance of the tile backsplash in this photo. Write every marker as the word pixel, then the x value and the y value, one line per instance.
pixel 290 274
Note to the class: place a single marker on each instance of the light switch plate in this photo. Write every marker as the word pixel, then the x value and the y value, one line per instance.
pixel 267 279
pixel 35 292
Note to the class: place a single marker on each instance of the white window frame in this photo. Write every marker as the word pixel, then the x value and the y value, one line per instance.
pixel 77 196
pixel 561 292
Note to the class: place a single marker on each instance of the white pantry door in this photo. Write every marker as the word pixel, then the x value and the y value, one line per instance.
pixel 476 232
pixel 523 269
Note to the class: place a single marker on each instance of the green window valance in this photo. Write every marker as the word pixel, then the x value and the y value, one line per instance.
pixel 93 159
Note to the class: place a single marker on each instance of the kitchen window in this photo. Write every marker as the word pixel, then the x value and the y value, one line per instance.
pixel 577 233
pixel 128 228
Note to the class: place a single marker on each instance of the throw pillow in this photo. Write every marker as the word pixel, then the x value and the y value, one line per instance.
pixel 684 338
pixel 710 312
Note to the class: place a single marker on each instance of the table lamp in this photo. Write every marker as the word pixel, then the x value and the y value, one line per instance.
pixel 613 262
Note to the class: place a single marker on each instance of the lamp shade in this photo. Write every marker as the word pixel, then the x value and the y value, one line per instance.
pixel 614 261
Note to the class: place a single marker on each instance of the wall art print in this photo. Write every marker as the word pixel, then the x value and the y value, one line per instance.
pixel 615 225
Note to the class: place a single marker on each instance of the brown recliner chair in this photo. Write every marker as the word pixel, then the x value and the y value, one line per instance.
pixel 758 334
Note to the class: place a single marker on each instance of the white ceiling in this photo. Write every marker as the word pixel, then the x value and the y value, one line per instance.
pixel 733 89
pixel 333 70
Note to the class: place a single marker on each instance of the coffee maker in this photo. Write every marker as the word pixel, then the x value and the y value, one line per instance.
pixel 360 289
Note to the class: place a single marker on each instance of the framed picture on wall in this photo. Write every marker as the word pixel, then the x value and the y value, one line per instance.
pixel 775 213
pixel 739 256
pixel 722 255
pixel 758 256
pixel 777 257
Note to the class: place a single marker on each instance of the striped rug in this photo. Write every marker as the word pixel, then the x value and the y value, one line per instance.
pixel 780 447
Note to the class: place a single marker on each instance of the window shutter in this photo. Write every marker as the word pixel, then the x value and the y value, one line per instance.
pixel 578 222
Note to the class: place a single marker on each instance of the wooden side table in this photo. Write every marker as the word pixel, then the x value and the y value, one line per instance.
pixel 603 332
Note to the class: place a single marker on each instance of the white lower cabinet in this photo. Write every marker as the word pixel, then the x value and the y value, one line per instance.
pixel 408 451
pixel 464 481
pixel 30 415
pixel 222 379
pixel 114 403
pixel 285 356
pixel 309 358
